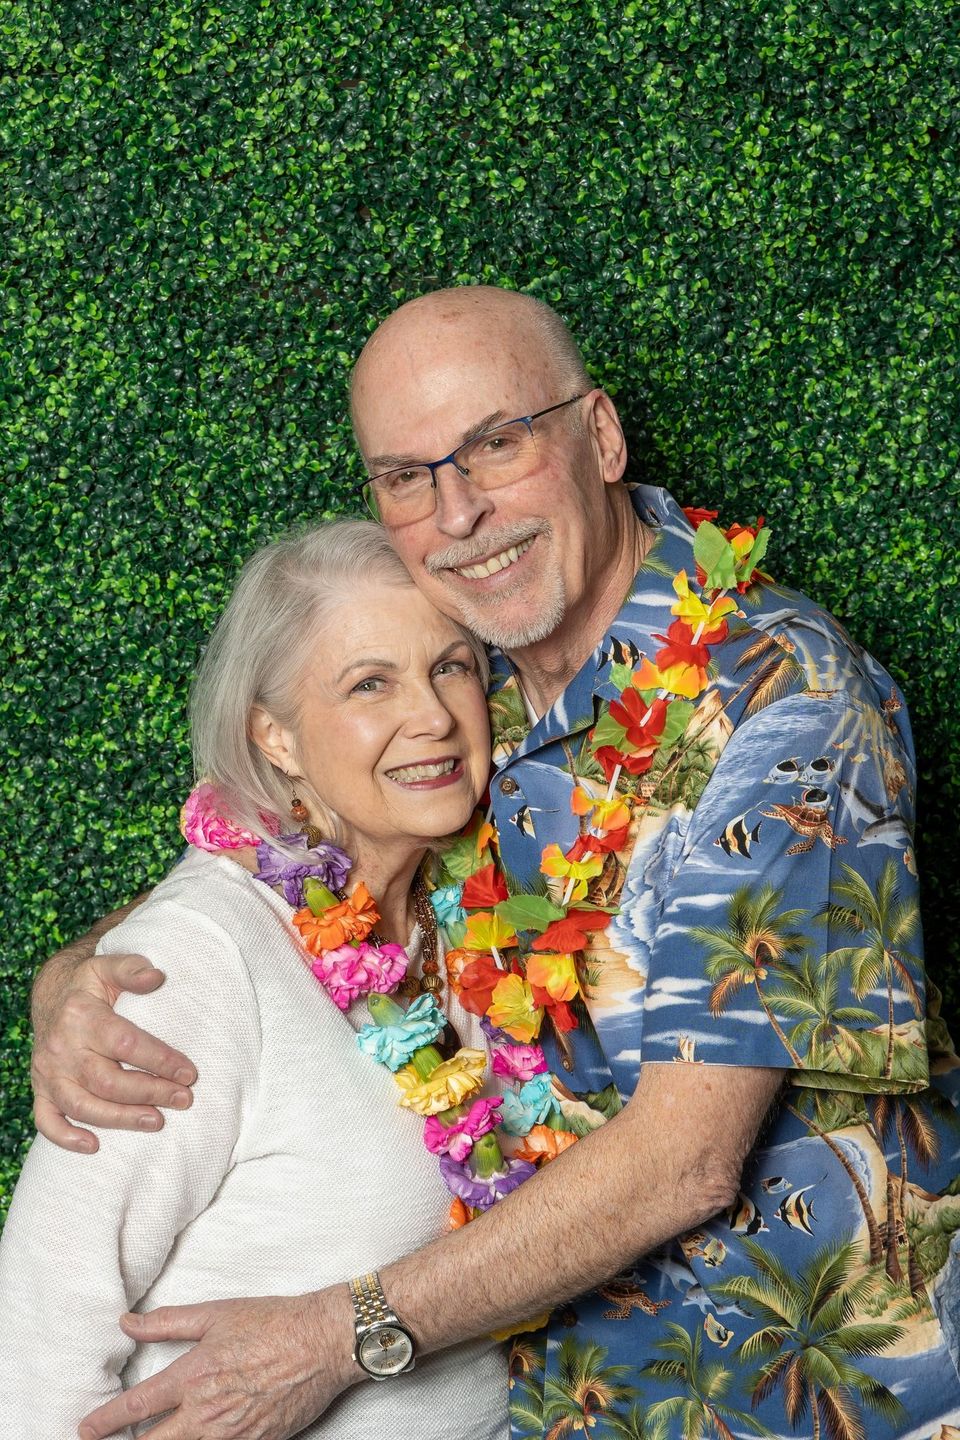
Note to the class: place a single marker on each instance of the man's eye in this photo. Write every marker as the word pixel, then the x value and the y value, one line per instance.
pixel 453 667
pixel 399 480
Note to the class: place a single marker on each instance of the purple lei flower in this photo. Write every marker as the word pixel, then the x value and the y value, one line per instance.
pixel 483 1192
pixel 324 862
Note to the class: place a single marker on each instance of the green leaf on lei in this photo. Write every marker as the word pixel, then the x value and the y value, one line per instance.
pixel 715 556
pixel 678 718
pixel 528 912
pixel 608 732
pixel 461 860
pixel 621 675
pixel 757 551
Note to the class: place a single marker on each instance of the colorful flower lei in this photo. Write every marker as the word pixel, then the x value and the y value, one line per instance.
pixel 518 957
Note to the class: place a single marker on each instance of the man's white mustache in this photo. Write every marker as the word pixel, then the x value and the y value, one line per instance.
pixel 494 542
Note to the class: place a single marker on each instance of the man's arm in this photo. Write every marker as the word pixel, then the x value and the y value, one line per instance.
pixel 670 1160
pixel 79 1043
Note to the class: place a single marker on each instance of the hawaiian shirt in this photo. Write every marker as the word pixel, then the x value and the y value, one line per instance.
pixel 767 916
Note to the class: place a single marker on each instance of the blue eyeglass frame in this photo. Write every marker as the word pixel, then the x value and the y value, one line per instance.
pixel 434 465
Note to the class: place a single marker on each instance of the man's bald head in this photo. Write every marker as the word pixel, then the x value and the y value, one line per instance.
pixel 481 321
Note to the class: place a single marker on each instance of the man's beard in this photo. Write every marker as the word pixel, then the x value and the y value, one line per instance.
pixel 481 614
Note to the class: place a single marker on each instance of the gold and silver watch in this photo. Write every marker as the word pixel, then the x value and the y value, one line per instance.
pixel 384 1348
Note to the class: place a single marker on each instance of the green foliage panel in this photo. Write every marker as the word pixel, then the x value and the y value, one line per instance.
pixel 748 213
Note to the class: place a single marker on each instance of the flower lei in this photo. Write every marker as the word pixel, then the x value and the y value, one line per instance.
pixel 517 958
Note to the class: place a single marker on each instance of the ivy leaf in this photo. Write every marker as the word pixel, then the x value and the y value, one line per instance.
pixel 528 912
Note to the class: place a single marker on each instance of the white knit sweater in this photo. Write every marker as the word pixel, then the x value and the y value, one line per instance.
pixel 293 1169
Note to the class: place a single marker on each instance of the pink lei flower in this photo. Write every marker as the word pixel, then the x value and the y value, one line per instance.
pixel 202 826
pixel 519 1062
pixel 350 971
pixel 457 1139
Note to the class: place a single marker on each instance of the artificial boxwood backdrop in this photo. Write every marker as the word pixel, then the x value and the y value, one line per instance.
pixel 748 212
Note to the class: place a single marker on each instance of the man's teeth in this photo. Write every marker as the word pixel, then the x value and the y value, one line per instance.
pixel 496 562
pixel 409 773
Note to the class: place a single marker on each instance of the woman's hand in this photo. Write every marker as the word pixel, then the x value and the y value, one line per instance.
pixel 81 1048
pixel 262 1369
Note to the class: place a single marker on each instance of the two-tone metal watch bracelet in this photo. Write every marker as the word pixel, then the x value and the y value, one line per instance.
pixel 384 1347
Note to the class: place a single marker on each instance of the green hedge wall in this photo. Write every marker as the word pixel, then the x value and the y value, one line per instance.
pixel 748 212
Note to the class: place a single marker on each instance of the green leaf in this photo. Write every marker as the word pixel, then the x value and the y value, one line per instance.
pixel 678 718
pixel 608 732
pixel 621 675
pixel 461 860
pixel 528 912
pixel 714 554
pixel 757 552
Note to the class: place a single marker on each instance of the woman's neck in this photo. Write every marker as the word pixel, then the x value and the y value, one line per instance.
pixel 389 880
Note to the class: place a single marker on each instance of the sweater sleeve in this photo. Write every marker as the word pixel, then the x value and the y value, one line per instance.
pixel 88 1235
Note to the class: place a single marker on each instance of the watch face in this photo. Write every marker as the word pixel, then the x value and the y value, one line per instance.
pixel 388 1350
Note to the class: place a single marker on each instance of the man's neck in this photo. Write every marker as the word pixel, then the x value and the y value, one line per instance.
pixel 546 668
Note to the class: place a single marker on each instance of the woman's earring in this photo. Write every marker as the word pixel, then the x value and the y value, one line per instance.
pixel 301 817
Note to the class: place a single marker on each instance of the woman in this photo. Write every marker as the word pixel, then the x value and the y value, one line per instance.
pixel 334 698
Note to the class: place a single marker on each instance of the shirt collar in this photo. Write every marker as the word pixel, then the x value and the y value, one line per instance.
pixel 644 615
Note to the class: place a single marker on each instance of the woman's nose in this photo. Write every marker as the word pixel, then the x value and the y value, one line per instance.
pixel 428 715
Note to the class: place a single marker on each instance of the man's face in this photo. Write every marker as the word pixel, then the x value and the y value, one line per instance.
pixel 507 562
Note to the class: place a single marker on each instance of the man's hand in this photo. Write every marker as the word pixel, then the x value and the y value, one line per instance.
pixel 263 1369
pixel 79 1044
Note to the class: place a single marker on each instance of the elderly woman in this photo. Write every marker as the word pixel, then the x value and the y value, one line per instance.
pixel 334 700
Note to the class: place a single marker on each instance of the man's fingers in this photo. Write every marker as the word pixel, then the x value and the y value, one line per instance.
pixel 58 1129
pixel 151 1397
pixel 107 1080
pixel 89 1109
pixel 168 1322
pixel 125 972
pixel 124 1041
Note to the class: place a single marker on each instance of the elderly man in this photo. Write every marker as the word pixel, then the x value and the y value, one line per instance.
pixel 763 963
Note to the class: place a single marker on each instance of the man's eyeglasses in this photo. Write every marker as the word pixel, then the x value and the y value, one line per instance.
pixel 498 456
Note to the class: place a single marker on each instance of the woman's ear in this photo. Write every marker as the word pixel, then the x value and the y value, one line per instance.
pixel 274 739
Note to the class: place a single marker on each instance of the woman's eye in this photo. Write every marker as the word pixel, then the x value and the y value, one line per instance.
pixel 369 686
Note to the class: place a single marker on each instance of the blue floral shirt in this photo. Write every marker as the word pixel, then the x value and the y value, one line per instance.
pixel 768 917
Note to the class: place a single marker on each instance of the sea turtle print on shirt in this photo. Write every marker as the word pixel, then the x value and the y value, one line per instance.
pixel 767 916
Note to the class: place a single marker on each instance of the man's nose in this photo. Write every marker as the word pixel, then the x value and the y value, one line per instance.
pixel 461 505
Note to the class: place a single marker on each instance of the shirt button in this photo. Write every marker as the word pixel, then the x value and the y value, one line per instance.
pixel 508 786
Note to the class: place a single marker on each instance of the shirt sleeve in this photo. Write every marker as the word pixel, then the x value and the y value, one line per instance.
pixel 87 1235
pixel 790 937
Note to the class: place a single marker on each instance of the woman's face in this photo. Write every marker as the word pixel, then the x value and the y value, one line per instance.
pixel 394 734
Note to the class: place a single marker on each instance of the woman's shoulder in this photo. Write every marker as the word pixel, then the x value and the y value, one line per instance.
pixel 210 901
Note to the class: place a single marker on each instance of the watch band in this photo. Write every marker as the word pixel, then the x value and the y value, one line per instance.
pixel 369 1302
pixel 384 1346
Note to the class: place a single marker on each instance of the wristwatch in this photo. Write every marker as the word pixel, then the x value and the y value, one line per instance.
pixel 384 1348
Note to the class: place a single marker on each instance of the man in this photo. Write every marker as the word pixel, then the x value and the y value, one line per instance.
pixel 767 925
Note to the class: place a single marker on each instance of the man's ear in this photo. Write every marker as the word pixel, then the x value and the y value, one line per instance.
pixel 274 739
pixel 607 435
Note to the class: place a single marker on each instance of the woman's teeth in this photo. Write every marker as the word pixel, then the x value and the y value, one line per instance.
pixel 496 562
pixel 409 773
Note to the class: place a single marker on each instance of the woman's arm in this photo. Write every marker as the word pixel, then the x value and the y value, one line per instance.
pixel 79 1043
pixel 85 1242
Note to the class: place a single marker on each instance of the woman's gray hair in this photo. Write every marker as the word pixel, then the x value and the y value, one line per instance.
pixel 258 653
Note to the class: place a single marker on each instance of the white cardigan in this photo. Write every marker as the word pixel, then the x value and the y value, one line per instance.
pixel 294 1169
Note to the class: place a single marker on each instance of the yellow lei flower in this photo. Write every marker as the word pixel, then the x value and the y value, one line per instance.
pixel 557 974
pixel 690 607
pixel 555 864
pixel 450 1084
pixel 514 1011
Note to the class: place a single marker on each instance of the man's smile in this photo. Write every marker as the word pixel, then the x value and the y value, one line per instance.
pixel 501 561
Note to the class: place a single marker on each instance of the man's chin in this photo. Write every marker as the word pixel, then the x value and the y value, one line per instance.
pixel 510 623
